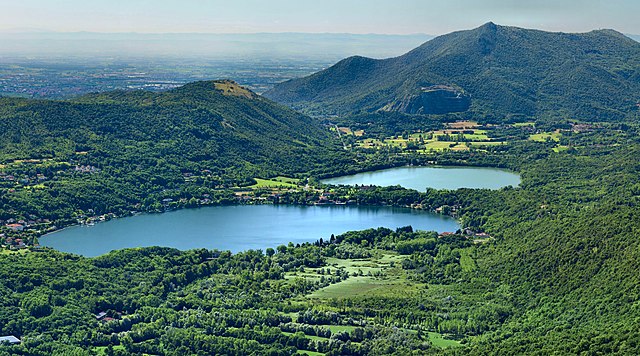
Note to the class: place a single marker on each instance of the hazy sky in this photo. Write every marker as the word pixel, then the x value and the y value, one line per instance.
pixel 355 16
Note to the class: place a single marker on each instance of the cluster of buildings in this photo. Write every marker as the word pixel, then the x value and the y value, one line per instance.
pixel 18 234
pixel 87 169
pixel 23 179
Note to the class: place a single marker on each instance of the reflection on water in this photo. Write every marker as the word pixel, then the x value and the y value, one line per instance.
pixel 237 228
pixel 438 177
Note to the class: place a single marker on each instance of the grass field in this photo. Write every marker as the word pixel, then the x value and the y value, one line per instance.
pixel 278 182
pixel 353 286
pixel 438 145
pixel 439 341
pixel 544 136
pixel 102 350
pixel 524 124
pixel 462 125
pixel 477 135
pixel 6 251
pixel 390 279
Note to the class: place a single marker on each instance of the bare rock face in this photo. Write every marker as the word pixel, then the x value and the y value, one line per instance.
pixel 436 99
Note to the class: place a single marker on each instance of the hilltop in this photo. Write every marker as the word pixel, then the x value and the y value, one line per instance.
pixel 502 71
pixel 211 124
pixel 110 152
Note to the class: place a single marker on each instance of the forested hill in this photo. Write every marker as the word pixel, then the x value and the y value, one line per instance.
pixel 503 70
pixel 212 125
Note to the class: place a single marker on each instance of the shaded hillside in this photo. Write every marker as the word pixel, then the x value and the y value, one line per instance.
pixel 505 70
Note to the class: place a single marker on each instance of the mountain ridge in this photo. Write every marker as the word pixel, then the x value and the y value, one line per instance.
pixel 206 123
pixel 506 70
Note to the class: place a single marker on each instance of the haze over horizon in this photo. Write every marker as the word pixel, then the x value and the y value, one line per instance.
pixel 327 16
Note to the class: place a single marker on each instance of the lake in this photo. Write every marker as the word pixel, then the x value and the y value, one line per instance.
pixel 237 228
pixel 438 177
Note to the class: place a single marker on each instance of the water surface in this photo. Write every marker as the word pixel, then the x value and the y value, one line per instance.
pixel 438 177
pixel 237 228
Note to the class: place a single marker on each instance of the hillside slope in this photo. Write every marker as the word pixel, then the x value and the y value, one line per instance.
pixel 207 124
pixel 121 151
pixel 505 71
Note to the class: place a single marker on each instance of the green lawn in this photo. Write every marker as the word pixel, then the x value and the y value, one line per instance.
pixel 523 124
pixel 286 179
pixel 369 286
pixel 542 137
pixel 101 350
pixel 478 135
pixel 438 145
pixel 351 287
pixel 438 341
pixel 273 183
pixel 560 149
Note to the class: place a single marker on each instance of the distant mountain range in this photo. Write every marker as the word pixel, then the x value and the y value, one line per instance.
pixel 496 70
pixel 633 37
pixel 323 46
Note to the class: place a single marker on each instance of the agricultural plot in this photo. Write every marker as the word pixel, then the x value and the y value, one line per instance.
pixel 546 136
pixel 378 276
pixel 277 182
pixel 439 341
pixel 560 148
pixel 459 125
pixel 524 124
pixel 460 137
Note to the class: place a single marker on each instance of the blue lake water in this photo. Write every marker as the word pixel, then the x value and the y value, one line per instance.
pixel 438 177
pixel 237 228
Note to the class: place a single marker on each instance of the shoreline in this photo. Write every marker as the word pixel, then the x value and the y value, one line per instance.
pixel 451 225
pixel 253 200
